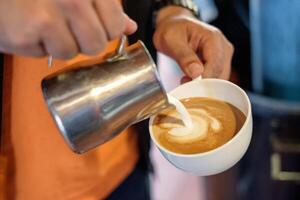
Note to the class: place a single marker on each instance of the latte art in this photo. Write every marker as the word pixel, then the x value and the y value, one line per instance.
pixel 185 117
pixel 214 123
pixel 202 122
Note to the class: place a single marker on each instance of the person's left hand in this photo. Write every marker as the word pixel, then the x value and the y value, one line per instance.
pixel 199 49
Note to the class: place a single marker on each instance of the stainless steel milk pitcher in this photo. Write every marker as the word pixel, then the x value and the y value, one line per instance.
pixel 92 104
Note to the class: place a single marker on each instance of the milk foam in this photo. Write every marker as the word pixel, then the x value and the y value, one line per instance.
pixel 185 117
pixel 201 120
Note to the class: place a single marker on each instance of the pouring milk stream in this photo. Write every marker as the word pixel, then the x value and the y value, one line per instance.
pixel 194 126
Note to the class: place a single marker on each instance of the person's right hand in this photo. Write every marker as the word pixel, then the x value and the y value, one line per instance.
pixel 61 28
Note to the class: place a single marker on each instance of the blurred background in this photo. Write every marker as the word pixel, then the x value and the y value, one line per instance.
pixel 266 63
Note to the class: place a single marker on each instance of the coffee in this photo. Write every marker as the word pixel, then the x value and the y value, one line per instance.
pixel 215 122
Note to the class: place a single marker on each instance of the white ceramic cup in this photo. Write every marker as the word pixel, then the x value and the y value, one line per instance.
pixel 222 158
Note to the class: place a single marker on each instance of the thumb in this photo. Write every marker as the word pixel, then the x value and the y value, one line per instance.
pixel 188 60
pixel 130 25
pixel 185 79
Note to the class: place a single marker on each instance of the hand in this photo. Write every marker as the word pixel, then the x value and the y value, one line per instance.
pixel 61 28
pixel 199 49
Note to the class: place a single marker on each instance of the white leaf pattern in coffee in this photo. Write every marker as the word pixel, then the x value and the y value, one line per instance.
pixel 201 120
pixel 214 123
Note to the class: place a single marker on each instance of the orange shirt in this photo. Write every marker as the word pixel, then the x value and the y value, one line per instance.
pixel 43 165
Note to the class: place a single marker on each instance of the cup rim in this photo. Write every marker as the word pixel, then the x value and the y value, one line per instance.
pixel 206 153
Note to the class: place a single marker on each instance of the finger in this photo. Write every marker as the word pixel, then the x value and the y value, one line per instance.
pixel 185 79
pixel 111 15
pixel 187 58
pixel 227 67
pixel 34 50
pixel 58 41
pixel 188 61
pixel 114 20
pixel 214 57
pixel 226 73
pixel 228 58
pixel 86 26
pixel 130 25
pixel 218 53
pixel 55 35
pixel 26 43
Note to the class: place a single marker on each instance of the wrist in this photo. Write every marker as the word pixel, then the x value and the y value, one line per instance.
pixel 171 11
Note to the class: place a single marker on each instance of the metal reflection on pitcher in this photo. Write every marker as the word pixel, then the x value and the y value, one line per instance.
pixel 92 104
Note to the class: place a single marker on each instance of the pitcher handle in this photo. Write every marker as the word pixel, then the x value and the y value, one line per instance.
pixel 122 44
pixel 120 53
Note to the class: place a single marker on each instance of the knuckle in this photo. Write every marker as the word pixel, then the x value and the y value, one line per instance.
pixel 64 53
pixel 114 33
pixel 218 66
pixel 230 48
pixel 116 27
pixel 43 23
pixel 5 45
pixel 95 48
pixel 215 33
pixel 64 50
pixel 20 42
pixel 70 53
pixel 156 39
pixel 69 5
pixel 166 36
pixel 218 69
pixel 160 39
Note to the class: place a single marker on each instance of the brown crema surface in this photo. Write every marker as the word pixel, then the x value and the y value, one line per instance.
pixel 217 122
